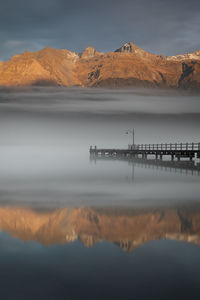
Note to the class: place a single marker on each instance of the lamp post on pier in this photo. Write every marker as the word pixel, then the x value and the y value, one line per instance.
pixel 133 135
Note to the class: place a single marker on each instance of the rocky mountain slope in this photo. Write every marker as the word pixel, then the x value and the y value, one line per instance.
pixel 127 66
pixel 127 228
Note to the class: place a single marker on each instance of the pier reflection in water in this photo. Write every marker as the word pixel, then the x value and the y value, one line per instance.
pixel 117 229
pixel 184 166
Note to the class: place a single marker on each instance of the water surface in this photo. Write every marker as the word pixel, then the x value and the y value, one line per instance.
pixel 75 227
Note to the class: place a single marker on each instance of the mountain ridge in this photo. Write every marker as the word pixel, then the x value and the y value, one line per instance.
pixel 129 65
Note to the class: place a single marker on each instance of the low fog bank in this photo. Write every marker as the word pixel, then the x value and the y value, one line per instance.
pixel 77 118
pixel 99 101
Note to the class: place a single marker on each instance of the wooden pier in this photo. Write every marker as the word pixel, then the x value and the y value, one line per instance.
pixel 158 151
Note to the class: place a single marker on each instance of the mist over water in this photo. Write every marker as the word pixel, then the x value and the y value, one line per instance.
pixel 80 117
pixel 80 227
pixel 46 134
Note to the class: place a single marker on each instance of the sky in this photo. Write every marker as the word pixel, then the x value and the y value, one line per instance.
pixel 159 26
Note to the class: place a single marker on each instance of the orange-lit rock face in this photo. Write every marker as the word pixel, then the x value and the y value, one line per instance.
pixel 89 52
pixel 48 66
pixel 127 66
pixel 127 228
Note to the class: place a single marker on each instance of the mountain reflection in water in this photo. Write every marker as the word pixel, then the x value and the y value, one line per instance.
pixel 126 227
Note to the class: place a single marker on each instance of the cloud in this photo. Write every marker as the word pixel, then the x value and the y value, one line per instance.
pixel 166 27
pixel 17 46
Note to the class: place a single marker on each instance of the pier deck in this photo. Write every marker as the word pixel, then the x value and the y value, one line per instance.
pixel 174 150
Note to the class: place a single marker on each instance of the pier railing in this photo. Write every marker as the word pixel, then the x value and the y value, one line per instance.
pixel 166 146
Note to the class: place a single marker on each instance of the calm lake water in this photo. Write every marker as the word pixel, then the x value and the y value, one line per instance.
pixel 76 227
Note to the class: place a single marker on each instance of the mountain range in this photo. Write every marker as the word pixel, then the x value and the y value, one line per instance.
pixel 128 66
